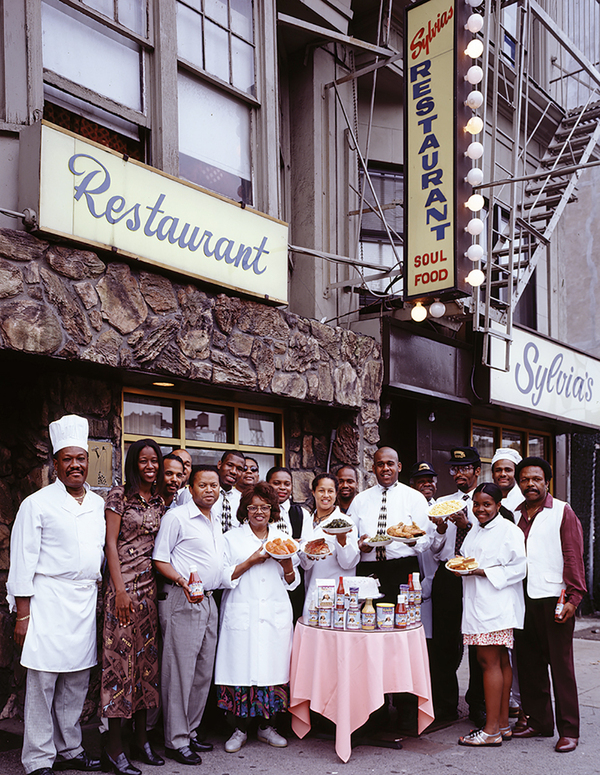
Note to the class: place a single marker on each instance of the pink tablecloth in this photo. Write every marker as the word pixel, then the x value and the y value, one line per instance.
pixel 344 675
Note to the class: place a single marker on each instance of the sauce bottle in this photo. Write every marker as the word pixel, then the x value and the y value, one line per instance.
pixel 340 595
pixel 560 605
pixel 339 614
pixel 195 585
pixel 368 615
pixel 401 613
pixel 411 590
pixel 417 588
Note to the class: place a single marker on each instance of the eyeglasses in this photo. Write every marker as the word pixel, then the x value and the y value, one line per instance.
pixel 453 470
pixel 259 509
pixel 253 469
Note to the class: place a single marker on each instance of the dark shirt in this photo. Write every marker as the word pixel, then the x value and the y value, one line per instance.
pixel 571 538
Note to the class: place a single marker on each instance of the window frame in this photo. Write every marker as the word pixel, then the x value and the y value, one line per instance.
pixel 180 442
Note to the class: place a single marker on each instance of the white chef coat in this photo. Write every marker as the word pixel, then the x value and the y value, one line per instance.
pixel 494 601
pixel 513 500
pixel 443 544
pixel 256 628
pixel 56 553
pixel 404 504
pixel 341 562
pixel 428 566
pixel 186 537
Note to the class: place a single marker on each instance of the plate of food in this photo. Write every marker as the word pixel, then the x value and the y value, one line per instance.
pixel 337 525
pixel 379 539
pixel 316 549
pixel 405 533
pixel 462 565
pixel 281 548
pixel 446 508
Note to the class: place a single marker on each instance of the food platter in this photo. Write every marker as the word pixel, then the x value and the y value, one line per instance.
pixel 468 565
pixel 318 555
pixel 281 555
pixel 446 508
pixel 411 532
pixel 382 542
pixel 334 528
pixel 402 540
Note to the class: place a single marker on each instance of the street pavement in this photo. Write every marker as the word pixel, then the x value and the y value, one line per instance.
pixel 435 753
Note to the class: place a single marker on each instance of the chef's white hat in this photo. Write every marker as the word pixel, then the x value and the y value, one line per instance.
pixel 507 453
pixel 70 431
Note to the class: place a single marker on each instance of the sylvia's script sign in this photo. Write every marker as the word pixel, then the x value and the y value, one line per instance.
pixel 548 378
pixel 93 195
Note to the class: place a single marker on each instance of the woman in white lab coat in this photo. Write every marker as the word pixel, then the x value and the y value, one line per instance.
pixel 252 667
pixel 493 605
pixel 345 553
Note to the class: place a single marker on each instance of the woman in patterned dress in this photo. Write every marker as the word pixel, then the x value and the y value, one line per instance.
pixel 130 662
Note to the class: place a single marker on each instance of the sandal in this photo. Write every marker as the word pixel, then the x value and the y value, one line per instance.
pixel 478 737
pixel 506 733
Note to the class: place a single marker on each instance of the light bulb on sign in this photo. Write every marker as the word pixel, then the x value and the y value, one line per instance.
pixel 475 202
pixel 437 309
pixel 474 253
pixel 474 23
pixel 474 125
pixel 474 151
pixel 475 277
pixel 474 75
pixel 474 227
pixel 474 49
pixel 474 176
pixel 473 3
pixel 474 99
pixel 418 313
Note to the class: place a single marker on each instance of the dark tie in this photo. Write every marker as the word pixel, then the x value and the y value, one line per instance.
pixel 461 533
pixel 381 526
pixel 225 513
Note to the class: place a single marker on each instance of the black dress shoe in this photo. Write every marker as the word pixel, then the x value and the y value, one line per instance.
pixel 183 755
pixel 42 771
pixel 200 747
pixel 145 754
pixel 81 762
pixel 120 766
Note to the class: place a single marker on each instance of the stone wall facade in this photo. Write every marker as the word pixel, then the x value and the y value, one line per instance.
pixel 73 324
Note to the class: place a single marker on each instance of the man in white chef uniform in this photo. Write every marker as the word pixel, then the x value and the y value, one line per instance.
pixel 56 550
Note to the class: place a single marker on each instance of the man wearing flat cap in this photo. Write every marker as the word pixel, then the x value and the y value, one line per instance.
pixel 56 551
pixel 554 545
pixel 464 466
pixel 504 464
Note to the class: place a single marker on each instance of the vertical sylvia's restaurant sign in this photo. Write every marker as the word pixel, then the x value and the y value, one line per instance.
pixel 95 196
pixel 547 378
pixel 429 147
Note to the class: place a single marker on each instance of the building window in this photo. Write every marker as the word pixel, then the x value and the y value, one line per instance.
pixel 205 428
pixel 375 244
pixel 487 438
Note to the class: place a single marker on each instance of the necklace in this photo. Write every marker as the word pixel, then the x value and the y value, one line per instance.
pixel 79 498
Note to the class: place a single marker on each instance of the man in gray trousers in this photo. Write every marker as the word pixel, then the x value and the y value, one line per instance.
pixel 188 536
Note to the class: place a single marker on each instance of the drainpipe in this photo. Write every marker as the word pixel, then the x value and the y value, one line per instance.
pixel 592 535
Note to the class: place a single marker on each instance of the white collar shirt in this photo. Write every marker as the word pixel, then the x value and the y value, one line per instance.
pixel 443 544
pixel 403 504
pixel 233 496
pixel 513 500
pixel 186 537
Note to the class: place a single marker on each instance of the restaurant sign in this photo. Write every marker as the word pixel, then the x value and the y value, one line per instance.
pixel 433 161
pixel 547 378
pixel 96 196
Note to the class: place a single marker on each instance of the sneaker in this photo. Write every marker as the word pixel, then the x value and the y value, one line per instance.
pixel 270 736
pixel 236 741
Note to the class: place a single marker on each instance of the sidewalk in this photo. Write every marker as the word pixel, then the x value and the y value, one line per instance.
pixel 433 754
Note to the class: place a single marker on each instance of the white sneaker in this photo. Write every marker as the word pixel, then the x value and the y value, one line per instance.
pixel 236 741
pixel 270 736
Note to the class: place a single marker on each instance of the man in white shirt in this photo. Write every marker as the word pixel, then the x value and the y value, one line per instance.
pixel 446 595
pixel 230 468
pixel 57 547
pixel 504 464
pixel 173 476
pixel 189 535
pixel 385 504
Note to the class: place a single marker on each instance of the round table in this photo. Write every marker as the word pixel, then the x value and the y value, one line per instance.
pixel 344 675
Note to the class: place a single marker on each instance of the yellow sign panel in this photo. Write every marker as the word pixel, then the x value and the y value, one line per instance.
pixel 429 163
pixel 96 196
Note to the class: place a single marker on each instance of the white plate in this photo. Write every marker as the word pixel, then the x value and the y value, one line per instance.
pixel 332 531
pixel 405 540
pixel 459 505
pixel 375 544
pixel 314 556
pixel 461 572
pixel 282 556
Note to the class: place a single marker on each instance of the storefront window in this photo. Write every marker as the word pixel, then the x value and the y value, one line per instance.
pixel 487 438
pixel 209 428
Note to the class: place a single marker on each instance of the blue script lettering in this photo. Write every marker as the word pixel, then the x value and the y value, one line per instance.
pixel 535 380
